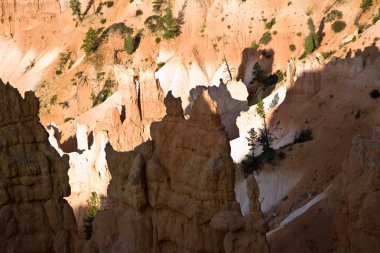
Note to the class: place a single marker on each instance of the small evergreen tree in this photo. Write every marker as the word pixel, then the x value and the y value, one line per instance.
pixel 75 6
pixel 129 44
pixel 169 25
pixel 265 133
pixel 91 41
pixel 312 40
pixel 93 207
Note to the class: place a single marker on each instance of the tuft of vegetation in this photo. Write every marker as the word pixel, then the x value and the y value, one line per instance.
pixel 292 47
pixel 270 24
pixel 255 46
pixel 266 38
pixel 103 21
pixel 93 207
pixel 376 17
pixel 158 40
pixel 328 54
pixel 105 93
pixel 334 15
pixel 338 26
pixel 157 4
pixel 366 4
pixel 91 41
pixel 375 94
pixel 58 72
pixel 129 44
pixel 53 100
pixel 119 28
pixel 67 119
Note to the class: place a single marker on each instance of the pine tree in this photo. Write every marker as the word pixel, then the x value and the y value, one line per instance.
pixel 75 6
pixel 93 207
pixel 169 24
pixel 129 44
pixel 91 41
pixel 265 133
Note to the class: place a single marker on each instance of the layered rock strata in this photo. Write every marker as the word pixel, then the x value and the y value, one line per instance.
pixel 33 181
pixel 176 192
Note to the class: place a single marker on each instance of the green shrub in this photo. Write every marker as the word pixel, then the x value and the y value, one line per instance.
pixel 254 45
pixel 93 207
pixel 160 65
pixel 266 38
pixel 338 26
pixel 67 119
pixel 53 100
pixel 129 44
pixel 120 28
pixel 328 54
pixel 58 72
pixel 270 24
pixel 103 21
pixel 91 41
pixel 334 15
pixel 366 4
pixel 153 23
pixel 157 4
pixel 109 4
pixel 292 47
pixel 158 40
pixel 376 17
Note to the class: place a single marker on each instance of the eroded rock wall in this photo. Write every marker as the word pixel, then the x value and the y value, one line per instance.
pixel 33 181
pixel 358 221
pixel 176 192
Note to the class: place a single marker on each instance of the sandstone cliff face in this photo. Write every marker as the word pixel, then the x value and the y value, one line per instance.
pixel 358 221
pixel 176 193
pixel 18 16
pixel 142 104
pixel 33 181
